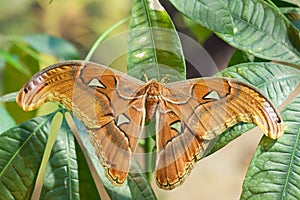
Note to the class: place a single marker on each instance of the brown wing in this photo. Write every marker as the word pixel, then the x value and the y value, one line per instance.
pixel 103 99
pixel 193 112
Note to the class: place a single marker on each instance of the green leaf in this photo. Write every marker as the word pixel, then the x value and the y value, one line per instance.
pixel 293 15
pixel 6 121
pixel 22 49
pixel 57 47
pixel 13 80
pixel 61 180
pixel 154 47
pixel 213 15
pixel 275 169
pixel 275 81
pixel 295 2
pixel 87 187
pixel 139 186
pixel 13 61
pixel 11 97
pixel 240 57
pixel 263 32
pixel 21 151
pixel 287 10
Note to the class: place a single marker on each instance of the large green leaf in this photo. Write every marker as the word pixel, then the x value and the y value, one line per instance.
pixel 13 80
pixel 87 187
pixel 13 61
pixel 240 57
pixel 293 15
pixel 21 151
pixel 61 179
pixel 296 2
pixel 6 121
pixel 275 169
pixel 263 31
pixel 138 183
pixel 47 44
pixel 275 81
pixel 154 47
pixel 213 15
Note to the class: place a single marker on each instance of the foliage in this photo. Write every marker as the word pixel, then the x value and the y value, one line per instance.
pixel 43 151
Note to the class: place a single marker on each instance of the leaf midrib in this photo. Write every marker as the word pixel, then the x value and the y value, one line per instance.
pixel 236 17
pixel 288 176
pixel 288 77
pixel 25 142
pixel 146 10
pixel 69 164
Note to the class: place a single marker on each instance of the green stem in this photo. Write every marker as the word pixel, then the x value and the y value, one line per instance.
pixel 103 36
pixel 148 149
pixel 11 97
pixel 148 157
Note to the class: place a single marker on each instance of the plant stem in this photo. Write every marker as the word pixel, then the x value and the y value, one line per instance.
pixel 148 149
pixel 103 36
pixel 148 158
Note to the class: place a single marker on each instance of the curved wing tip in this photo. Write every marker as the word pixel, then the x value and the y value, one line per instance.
pixel 24 102
pixel 276 132
pixel 20 100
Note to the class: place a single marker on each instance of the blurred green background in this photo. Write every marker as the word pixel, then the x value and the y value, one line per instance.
pixel 79 23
